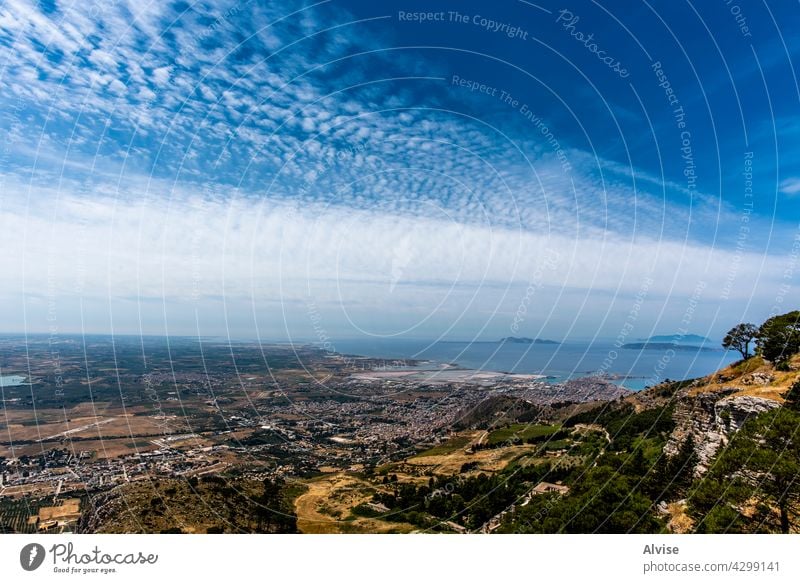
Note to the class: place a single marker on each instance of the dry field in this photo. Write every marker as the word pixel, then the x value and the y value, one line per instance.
pixel 322 509
pixel 325 507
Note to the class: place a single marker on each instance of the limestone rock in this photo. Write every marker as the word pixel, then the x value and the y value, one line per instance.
pixel 711 418
pixel 758 378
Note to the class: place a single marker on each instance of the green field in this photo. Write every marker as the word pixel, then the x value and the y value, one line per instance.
pixel 557 444
pixel 14 514
pixel 449 446
pixel 520 432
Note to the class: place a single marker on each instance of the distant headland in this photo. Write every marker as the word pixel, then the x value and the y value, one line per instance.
pixel 667 346
pixel 677 339
pixel 524 340
pixel 506 340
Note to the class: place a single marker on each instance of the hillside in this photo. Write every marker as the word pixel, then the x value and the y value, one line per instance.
pixel 712 408
pixel 753 377
pixel 210 504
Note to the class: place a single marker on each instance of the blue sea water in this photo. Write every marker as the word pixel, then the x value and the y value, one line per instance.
pixel 634 369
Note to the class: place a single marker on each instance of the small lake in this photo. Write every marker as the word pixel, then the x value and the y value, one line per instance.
pixel 12 381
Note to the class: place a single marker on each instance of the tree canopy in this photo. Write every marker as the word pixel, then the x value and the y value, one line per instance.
pixel 779 338
pixel 739 338
pixel 792 397
pixel 757 473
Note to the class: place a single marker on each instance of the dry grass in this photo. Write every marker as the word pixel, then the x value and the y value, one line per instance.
pixel 325 507
pixel 744 376
pixel 328 501
pixel 679 521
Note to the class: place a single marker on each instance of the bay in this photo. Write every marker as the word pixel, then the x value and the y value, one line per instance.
pixel 634 369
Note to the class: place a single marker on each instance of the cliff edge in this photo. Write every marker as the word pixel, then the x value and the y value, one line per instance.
pixel 712 408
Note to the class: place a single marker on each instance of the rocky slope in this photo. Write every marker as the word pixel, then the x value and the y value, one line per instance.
pixel 712 408
pixel 710 418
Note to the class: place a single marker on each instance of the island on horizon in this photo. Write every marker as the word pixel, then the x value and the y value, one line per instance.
pixel 677 339
pixel 667 346
pixel 505 340
pixel 525 340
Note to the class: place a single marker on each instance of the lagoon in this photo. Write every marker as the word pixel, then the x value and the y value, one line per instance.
pixel 12 381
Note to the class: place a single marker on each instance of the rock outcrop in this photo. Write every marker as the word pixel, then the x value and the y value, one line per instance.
pixel 710 418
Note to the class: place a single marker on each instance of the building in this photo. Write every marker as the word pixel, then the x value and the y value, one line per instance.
pixel 547 487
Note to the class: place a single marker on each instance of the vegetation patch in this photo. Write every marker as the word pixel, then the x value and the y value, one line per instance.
pixel 451 445
pixel 519 433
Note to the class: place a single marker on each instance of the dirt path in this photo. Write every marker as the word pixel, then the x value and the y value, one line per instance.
pixel 481 436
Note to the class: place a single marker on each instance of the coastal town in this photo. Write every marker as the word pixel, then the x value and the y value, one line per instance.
pixel 341 414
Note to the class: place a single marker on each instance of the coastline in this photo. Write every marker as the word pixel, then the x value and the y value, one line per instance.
pixel 632 369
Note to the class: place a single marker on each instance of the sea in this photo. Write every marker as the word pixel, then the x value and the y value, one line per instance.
pixel 632 368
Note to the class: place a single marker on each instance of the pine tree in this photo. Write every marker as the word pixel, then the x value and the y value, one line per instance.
pixel 765 456
pixel 792 397
pixel 682 467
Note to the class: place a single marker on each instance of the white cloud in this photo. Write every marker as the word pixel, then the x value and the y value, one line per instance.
pixel 161 75
pixel 790 186
pixel 189 250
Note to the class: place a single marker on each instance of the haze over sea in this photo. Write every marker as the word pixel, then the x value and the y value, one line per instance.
pixel 634 369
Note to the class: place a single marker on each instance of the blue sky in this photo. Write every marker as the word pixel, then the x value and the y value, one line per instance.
pixel 352 168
